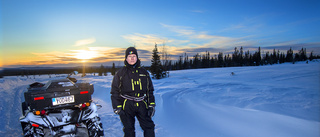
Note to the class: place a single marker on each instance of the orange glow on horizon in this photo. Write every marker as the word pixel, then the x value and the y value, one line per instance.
pixel 87 56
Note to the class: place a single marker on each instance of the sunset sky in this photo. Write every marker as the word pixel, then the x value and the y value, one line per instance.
pixel 72 32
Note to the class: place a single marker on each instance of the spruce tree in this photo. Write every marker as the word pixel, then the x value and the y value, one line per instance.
pixel 113 69
pixel 289 57
pixel 311 56
pixel 101 70
pixel 156 67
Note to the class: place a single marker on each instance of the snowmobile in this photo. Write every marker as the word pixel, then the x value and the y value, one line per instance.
pixel 60 108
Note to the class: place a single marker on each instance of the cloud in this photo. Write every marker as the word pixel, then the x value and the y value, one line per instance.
pixel 51 55
pixel 234 27
pixel 187 40
pixel 54 57
pixel 295 45
pixel 147 41
pixel 84 42
pixel 90 55
pixel 143 39
pixel 251 25
pixel 198 11
pixel 184 40
pixel 181 30
pixel 201 39
pixel 79 55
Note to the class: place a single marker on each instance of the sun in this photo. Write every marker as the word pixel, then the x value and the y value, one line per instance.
pixel 85 54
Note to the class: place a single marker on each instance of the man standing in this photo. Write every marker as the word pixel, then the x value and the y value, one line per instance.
pixel 132 95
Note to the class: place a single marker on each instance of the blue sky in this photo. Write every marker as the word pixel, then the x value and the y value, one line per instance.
pixel 67 32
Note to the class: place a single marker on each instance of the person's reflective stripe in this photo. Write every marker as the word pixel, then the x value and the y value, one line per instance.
pixel 145 104
pixel 133 98
pixel 119 106
pixel 124 103
pixel 132 84
pixel 140 84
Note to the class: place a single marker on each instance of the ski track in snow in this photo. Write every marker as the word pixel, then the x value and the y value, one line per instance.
pixel 278 100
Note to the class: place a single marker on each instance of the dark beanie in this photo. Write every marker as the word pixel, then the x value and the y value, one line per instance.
pixel 131 50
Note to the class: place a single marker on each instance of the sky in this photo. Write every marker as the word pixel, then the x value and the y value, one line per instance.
pixel 74 32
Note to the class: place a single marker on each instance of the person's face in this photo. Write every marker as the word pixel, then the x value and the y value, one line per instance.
pixel 131 59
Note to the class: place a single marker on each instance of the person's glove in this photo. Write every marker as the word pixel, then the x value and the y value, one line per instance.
pixel 118 111
pixel 151 110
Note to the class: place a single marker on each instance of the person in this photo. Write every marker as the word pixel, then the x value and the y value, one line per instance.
pixel 132 95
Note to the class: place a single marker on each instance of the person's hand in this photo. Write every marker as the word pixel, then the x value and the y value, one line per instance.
pixel 118 111
pixel 151 110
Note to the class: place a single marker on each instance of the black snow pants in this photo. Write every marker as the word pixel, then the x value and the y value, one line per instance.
pixel 134 109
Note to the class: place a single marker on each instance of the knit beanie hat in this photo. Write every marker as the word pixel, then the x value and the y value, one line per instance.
pixel 131 50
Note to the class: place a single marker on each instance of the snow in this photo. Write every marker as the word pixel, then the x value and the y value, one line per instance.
pixel 262 101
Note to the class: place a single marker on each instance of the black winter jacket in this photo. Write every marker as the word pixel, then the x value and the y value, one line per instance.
pixel 133 81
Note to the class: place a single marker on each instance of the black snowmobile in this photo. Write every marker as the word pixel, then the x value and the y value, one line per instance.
pixel 60 108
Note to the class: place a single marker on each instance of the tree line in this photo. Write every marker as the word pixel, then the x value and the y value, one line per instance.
pixel 28 72
pixel 238 58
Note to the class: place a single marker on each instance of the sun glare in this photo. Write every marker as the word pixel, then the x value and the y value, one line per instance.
pixel 85 54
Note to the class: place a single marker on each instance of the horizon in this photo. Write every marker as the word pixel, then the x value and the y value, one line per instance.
pixel 75 32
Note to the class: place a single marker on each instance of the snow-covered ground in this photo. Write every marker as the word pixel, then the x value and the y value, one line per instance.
pixel 263 101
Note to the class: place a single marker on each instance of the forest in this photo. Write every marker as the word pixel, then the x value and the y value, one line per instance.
pixel 50 71
pixel 161 62
pixel 239 58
